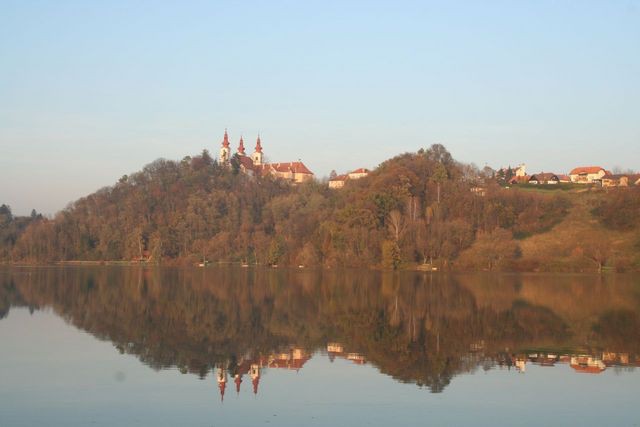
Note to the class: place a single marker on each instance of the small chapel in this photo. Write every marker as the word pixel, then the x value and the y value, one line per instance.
pixel 295 172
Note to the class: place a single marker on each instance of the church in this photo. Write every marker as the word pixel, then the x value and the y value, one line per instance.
pixel 295 172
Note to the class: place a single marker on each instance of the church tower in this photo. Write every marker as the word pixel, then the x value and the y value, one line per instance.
pixel 257 154
pixel 241 150
pixel 225 151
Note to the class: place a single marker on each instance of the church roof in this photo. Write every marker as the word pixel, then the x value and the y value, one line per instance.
pixel 246 162
pixel 295 167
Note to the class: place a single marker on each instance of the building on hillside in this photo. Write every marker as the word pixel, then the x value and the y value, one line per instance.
pixel 620 180
pixel 587 174
pixel 544 178
pixel 295 172
pixel 358 173
pixel 338 181
pixel 521 170
pixel 564 178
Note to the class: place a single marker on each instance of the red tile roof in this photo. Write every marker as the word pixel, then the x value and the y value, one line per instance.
pixel 360 170
pixel 246 162
pixel 339 178
pixel 586 169
pixel 588 369
pixel 295 167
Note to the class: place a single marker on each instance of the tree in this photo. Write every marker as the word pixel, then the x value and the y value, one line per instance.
pixel 390 255
pixel 437 153
pixel 439 176
pixel 598 249
pixel 396 224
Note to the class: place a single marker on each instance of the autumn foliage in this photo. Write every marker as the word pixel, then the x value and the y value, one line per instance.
pixel 414 208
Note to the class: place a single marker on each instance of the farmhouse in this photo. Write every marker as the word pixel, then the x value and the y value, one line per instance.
pixel 587 174
pixel 544 178
pixel 339 180
pixel 620 180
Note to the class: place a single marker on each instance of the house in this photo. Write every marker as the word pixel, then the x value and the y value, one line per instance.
pixel 358 173
pixel 521 170
pixel 544 178
pixel 620 180
pixel 295 172
pixel 587 174
pixel 340 180
pixel 564 178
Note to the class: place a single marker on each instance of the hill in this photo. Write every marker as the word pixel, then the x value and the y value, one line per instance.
pixel 414 209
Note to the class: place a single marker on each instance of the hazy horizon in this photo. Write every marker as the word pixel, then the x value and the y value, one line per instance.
pixel 90 92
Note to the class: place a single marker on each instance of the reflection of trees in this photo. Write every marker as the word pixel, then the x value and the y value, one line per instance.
pixel 415 327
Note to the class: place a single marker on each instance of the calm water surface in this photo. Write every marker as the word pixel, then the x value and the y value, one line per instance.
pixel 124 346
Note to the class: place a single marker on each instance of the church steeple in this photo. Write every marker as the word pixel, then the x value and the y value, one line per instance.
pixel 254 372
pixel 225 151
pixel 257 154
pixel 225 141
pixel 238 381
pixel 241 147
pixel 222 381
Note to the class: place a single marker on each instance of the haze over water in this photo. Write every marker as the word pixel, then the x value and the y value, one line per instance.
pixel 233 346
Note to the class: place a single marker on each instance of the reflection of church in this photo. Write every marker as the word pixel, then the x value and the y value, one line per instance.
pixel 292 359
pixel 243 368
pixel 254 165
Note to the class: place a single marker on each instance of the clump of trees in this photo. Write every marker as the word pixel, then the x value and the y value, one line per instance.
pixel 414 208
pixel 11 228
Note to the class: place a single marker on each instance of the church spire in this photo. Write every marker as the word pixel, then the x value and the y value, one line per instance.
pixel 225 151
pixel 241 146
pixel 225 141
pixel 258 145
pixel 222 381
pixel 238 381
pixel 257 154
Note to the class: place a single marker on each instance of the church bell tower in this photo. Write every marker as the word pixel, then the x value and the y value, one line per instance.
pixel 257 154
pixel 225 151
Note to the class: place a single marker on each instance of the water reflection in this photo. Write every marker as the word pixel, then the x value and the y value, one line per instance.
pixel 418 328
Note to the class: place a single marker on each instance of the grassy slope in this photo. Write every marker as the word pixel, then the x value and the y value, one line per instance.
pixel 562 248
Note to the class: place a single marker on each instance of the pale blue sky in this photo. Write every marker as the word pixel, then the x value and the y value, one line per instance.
pixel 90 91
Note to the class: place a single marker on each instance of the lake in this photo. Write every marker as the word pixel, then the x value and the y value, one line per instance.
pixel 231 346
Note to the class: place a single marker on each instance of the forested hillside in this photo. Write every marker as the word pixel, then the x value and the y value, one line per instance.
pixel 415 208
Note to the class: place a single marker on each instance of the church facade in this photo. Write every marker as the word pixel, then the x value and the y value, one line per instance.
pixel 254 165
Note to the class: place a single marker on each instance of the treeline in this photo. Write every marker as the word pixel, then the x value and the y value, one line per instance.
pixel 11 228
pixel 419 207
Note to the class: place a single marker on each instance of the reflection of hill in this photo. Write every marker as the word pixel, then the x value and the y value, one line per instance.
pixel 416 327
